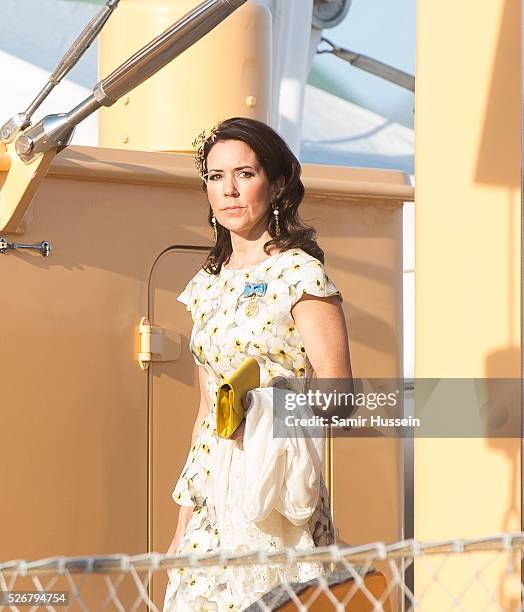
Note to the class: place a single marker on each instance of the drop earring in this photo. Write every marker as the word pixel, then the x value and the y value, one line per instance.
pixel 276 213
pixel 214 222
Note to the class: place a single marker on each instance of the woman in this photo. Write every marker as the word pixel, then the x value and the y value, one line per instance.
pixel 262 292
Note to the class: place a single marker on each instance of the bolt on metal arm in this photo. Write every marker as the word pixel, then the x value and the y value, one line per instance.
pixel 20 121
pixel 55 131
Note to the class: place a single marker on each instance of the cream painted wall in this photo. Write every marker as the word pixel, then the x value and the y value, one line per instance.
pixel 467 294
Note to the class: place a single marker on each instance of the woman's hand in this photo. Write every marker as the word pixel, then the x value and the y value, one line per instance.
pixel 238 434
pixel 175 543
pixel 184 516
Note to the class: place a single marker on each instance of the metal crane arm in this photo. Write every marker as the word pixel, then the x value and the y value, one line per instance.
pixel 10 130
pixel 55 131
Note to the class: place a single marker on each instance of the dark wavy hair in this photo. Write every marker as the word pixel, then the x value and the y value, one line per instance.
pixel 277 160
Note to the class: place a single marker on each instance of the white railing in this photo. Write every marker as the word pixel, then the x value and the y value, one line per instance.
pixel 478 574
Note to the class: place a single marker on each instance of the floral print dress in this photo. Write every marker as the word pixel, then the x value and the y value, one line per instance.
pixel 224 333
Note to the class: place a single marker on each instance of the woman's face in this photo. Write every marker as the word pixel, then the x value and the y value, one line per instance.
pixel 238 189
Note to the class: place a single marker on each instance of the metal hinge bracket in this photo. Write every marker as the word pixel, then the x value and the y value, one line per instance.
pixel 157 344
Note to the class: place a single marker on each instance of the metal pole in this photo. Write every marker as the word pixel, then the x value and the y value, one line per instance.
pixel 521 289
pixel 10 130
pixel 373 66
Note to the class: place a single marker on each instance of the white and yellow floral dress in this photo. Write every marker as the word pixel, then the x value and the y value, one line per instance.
pixel 223 335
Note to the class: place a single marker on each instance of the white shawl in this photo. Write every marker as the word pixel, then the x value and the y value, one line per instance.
pixel 280 474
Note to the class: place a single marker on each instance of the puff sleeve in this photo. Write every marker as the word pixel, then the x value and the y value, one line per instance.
pixel 186 297
pixel 194 293
pixel 308 275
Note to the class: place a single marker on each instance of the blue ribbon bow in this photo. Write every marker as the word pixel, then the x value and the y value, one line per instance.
pixel 258 289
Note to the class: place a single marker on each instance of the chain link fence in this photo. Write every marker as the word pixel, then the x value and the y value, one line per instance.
pixel 474 575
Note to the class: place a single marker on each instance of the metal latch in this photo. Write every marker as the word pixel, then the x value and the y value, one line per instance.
pixel 157 344
pixel 44 247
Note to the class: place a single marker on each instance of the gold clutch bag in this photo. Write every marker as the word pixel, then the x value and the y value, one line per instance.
pixel 230 411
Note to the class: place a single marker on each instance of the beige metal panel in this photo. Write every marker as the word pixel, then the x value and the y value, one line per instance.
pixel 356 184
pixel 74 407
pixel 368 263
pixel 467 265
pixel 74 400
pixel 224 75
pixel 363 245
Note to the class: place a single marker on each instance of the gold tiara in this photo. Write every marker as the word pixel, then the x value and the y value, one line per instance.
pixel 198 145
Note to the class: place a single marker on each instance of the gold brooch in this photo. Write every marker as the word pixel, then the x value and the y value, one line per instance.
pixel 253 291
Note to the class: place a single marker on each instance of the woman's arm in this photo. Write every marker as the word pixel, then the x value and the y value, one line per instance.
pixel 204 406
pixel 184 516
pixel 185 512
pixel 322 327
